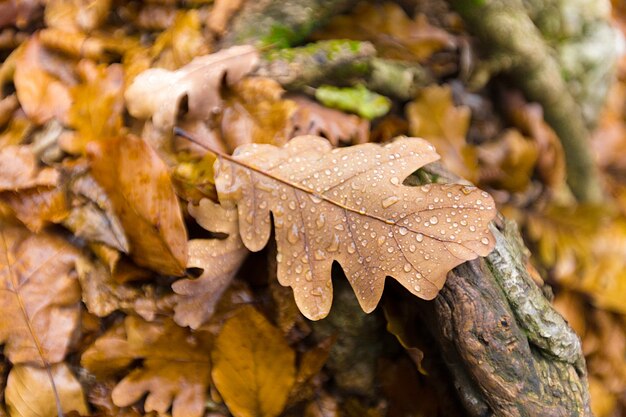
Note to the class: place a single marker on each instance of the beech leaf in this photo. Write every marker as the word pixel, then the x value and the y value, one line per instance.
pixel 350 205
pixel 140 189
pixel 29 393
pixel 219 260
pixel 253 366
pixel 20 169
pixel 157 92
pixel 173 374
pixel 39 296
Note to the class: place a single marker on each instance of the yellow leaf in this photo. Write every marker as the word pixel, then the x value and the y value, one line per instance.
pixel 253 366
pixel 29 393
pixel 139 186
pixel 350 205
pixel 433 116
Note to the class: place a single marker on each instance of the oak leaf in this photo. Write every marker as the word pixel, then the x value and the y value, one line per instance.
pixel 29 393
pixel 158 93
pixel 433 116
pixel 39 296
pixel 350 205
pixel 139 186
pixel 219 260
pixel 253 366
pixel 175 371
pixel 312 118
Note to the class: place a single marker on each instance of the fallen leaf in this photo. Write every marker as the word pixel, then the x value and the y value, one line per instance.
pixel 138 184
pixel 221 14
pixel 42 94
pixel 39 296
pixel 387 26
pixel 350 205
pixel 509 162
pixel 311 118
pixel 253 367
pixel 255 113
pixel 158 93
pixel 98 105
pixel 38 206
pixel 180 42
pixel 29 393
pixel 219 260
pixel 21 169
pixel 172 374
pixel 433 116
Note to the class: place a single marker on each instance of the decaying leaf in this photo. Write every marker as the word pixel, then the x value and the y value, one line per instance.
pixel 433 116
pixel 253 367
pixel 29 393
pixel 158 93
pixel 219 260
pixel 255 113
pixel 40 92
pixel 139 186
pixel 20 169
pixel 388 27
pixel 312 118
pixel 350 205
pixel 39 296
pixel 37 206
pixel 173 374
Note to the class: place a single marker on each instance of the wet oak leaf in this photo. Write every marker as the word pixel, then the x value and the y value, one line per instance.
pixel 139 186
pixel 158 93
pixel 434 117
pixel 350 205
pixel 29 393
pixel 175 371
pixel 219 260
pixel 253 366
pixel 39 296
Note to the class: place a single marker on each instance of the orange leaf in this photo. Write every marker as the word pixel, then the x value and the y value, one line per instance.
pixel 253 367
pixel 139 186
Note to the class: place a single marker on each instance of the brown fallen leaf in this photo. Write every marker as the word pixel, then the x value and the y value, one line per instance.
pixel 39 296
pixel 388 27
pixel 433 116
pixel 172 374
pixel 219 260
pixel 254 112
pixel 37 206
pixel 253 366
pixel 312 118
pixel 29 393
pixel 21 169
pixel 139 186
pixel 158 93
pixel 350 205
pixel 41 93
pixel 221 13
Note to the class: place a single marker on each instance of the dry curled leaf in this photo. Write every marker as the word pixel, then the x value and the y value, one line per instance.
pixel 39 296
pixel 219 260
pixel 253 366
pixel 172 374
pixel 29 393
pixel 139 186
pixel 158 93
pixel 20 169
pixel 350 205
